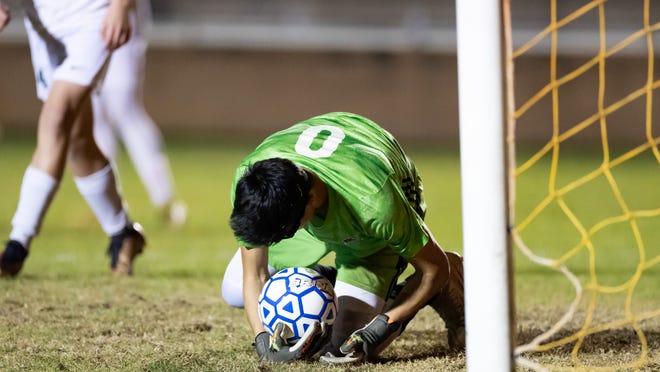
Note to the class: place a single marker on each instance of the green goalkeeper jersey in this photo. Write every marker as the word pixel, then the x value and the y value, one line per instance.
pixel 375 199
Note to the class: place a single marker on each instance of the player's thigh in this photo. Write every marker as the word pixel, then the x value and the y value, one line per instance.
pixel 125 75
pixel 56 120
pixel 357 307
pixel 74 79
pixel 375 274
pixel 301 250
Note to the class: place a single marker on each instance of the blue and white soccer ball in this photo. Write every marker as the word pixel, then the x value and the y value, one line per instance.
pixel 299 297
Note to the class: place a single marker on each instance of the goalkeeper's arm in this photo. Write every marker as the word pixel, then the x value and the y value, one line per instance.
pixel 255 275
pixel 273 348
pixel 431 272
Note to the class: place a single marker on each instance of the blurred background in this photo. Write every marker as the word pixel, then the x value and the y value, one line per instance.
pixel 228 68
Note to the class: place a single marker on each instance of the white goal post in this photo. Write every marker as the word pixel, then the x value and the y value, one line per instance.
pixel 485 239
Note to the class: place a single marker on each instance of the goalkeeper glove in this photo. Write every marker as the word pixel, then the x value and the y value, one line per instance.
pixel 367 342
pixel 275 348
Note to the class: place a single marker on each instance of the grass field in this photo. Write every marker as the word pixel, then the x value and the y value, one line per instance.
pixel 65 312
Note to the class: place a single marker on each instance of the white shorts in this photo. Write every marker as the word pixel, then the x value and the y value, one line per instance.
pixel 125 72
pixel 65 41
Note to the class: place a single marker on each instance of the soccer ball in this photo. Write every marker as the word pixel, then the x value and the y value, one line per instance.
pixel 299 297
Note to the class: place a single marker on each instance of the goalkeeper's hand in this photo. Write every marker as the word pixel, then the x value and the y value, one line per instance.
pixel 275 348
pixel 367 342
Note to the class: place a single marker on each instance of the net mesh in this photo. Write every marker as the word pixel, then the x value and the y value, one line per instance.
pixel 591 214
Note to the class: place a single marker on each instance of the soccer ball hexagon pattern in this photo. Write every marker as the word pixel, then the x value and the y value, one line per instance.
pixel 298 297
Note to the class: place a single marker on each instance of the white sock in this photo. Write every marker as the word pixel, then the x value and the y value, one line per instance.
pixel 100 191
pixel 37 191
pixel 144 144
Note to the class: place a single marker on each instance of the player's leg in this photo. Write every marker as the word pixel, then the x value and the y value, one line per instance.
pixel 95 180
pixel 43 175
pixel 104 132
pixel 144 145
pixel 87 57
pixel 121 98
pixel 450 303
pixel 56 121
pixel 37 191
pixel 362 286
pixel 72 65
pixel 357 307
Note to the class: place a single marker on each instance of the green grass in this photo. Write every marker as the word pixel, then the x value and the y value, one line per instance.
pixel 65 312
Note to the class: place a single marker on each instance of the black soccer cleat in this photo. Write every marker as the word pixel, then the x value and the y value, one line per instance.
pixel 12 258
pixel 124 247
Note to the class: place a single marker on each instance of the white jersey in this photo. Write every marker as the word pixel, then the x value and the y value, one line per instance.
pixel 65 41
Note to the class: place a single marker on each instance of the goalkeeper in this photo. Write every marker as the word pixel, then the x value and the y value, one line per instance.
pixel 340 183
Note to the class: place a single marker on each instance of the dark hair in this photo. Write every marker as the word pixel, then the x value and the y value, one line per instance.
pixel 270 201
